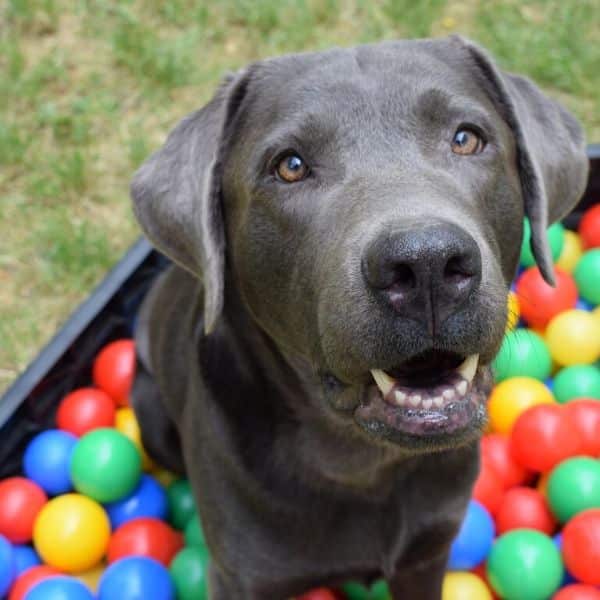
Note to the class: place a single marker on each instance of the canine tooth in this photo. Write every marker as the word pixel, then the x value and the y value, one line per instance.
pixel 461 387
pixel 448 394
pixel 438 401
pixel 427 403
pixel 415 399
pixel 384 382
pixel 400 397
pixel 468 367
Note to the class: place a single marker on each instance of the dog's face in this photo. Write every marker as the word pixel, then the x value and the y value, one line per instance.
pixel 371 201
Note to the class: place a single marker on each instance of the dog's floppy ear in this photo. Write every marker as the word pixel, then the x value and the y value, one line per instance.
pixel 177 192
pixel 551 154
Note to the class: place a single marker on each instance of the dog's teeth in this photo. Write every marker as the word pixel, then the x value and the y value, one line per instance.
pixel 384 382
pixel 427 403
pixel 400 397
pixel 448 394
pixel 468 367
pixel 414 399
pixel 461 387
pixel 438 401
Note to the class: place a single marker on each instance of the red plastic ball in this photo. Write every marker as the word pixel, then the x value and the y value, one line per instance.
pixel 488 489
pixel 114 370
pixel 585 415
pixel 85 409
pixel 20 502
pixel 29 578
pixel 145 537
pixel 319 594
pixel 581 546
pixel 589 227
pixel 543 436
pixel 577 591
pixel 539 301
pixel 524 507
pixel 496 451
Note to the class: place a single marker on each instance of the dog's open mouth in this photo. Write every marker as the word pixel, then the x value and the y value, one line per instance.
pixel 432 395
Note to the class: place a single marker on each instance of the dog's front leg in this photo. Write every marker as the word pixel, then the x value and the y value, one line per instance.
pixel 422 581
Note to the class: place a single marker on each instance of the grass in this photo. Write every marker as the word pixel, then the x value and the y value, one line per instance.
pixel 90 88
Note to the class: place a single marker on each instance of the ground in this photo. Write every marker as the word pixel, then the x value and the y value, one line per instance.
pixel 89 88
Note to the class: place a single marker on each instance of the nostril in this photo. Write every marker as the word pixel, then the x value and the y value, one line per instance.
pixel 458 272
pixel 404 278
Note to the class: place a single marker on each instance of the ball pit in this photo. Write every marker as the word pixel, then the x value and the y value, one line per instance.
pixel 532 529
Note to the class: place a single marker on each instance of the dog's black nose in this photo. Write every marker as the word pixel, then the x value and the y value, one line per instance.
pixel 424 273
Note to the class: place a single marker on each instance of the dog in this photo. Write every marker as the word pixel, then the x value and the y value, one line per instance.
pixel 344 227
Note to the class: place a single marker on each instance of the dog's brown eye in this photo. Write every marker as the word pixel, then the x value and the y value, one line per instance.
pixel 467 141
pixel 292 168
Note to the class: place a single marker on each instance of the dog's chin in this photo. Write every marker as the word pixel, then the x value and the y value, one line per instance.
pixel 427 412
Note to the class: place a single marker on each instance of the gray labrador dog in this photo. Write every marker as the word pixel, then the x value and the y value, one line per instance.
pixel 345 226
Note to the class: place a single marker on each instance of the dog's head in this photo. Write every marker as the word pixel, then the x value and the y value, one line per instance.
pixel 367 204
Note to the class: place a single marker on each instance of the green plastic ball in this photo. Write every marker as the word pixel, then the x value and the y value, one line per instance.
pixel 193 534
pixel 587 276
pixel 573 486
pixel 523 353
pixel 556 238
pixel 524 564
pixel 105 465
pixel 380 591
pixel 189 572
pixel 577 381
pixel 181 503
pixel 356 591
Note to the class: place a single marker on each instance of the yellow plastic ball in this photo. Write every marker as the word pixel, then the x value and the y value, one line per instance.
pixel 513 311
pixel 71 533
pixel 91 578
pixel 461 585
pixel 571 251
pixel 513 396
pixel 596 313
pixel 573 338
pixel 126 422
pixel 164 477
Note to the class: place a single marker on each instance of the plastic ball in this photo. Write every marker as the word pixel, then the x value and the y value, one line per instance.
pixel 474 539
pixel 577 591
pixel 189 572
pixel 578 381
pixel 71 533
pixel 512 397
pixel 91 577
pixel 355 591
pixel 114 369
pixel 571 252
pixel 524 565
pixel 148 499
pixel 512 310
pixel 523 353
pixel 488 489
pixel 581 546
pixel 181 503
pixel 543 436
pixel 134 578
pixel 20 502
pixel 524 508
pixel 106 465
pixel 28 579
pixel 584 413
pixel 8 568
pixel 164 477
pixel 85 409
pixel 316 594
pixel 589 227
pixel 25 558
pixel 126 422
pixel 574 486
pixel 574 338
pixel 59 588
pixel 194 535
pixel 47 459
pixel 459 585
pixel 555 235
pixel 587 276
pixel 496 451
pixel 145 537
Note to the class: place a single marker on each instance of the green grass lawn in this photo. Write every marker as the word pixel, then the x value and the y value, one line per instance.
pixel 89 88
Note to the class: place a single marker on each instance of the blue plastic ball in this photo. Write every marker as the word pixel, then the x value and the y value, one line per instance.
pixel 59 588
pixel 47 460
pixel 149 499
pixel 7 565
pixel 474 540
pixel 25 558
pixel 136 578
